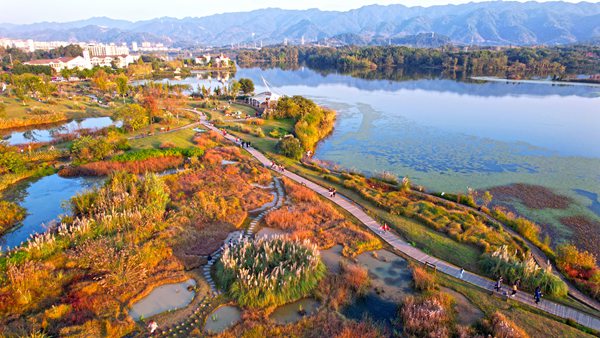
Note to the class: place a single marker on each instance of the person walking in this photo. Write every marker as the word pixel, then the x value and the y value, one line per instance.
pixel 152 326
pixel 462 271
pixel 499 284
pixel 514 289
pixel 537 295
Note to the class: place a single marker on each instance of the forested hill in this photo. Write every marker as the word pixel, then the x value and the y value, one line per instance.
pixel 483 23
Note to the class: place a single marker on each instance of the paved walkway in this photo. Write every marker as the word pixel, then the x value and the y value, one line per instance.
pixel 538 255
pixel 442 266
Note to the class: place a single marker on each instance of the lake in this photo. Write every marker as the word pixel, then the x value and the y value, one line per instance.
pixel 48 133
pixel 448 135
pixel 44 200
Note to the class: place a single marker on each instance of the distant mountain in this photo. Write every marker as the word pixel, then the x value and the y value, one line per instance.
pixel 483 23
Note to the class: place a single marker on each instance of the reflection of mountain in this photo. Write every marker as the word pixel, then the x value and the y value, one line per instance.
pixel 307 77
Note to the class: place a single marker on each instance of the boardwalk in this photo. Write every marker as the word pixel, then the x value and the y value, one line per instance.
pixel 399 244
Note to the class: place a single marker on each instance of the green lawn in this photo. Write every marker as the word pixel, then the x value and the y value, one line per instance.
pixel 181 139
pixel 76 108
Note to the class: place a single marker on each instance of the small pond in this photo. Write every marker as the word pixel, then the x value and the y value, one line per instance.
pixel 332 258
pixel 391 282
pixel 293 312
pixel 48 133
pixel 164 298
pixel 222 318
pixel 44 200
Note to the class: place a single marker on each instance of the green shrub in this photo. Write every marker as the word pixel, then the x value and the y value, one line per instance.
pixel 290 147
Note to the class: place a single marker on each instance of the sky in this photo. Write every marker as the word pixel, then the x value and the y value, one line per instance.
pixel 30 11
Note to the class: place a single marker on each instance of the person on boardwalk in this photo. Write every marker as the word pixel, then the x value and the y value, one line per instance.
pixel 152 326
pixel 498 286
pixel 462 271
pixel 515 287
pixel 537 295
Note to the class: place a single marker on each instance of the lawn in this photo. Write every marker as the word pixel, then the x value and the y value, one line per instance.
pixel 75 108
pixel 180 138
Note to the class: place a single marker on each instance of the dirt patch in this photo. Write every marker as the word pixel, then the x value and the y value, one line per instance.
pixel 586 232
pixel 532 196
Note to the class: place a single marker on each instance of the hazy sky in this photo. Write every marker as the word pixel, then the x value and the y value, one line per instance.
pixel 29 11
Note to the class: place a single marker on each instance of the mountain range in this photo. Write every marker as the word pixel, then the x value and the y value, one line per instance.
pixel 483 23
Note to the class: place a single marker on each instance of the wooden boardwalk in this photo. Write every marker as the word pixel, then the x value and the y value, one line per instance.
pixel 399 244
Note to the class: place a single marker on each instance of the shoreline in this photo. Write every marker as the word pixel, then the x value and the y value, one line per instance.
pixel 544 82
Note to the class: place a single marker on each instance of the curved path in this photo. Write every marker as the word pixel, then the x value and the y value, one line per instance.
pixel 401 245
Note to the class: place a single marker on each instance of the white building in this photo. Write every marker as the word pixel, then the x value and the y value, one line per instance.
pixel 203 60
pixel 107 50
pixel 59 64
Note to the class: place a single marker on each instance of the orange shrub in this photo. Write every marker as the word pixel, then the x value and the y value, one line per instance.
pixel 423 280
pixel 356 277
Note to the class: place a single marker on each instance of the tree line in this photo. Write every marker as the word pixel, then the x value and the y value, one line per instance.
pixel 512 62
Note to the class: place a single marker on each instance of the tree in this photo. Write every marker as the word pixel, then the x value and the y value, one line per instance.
pixel 247 86
pixel 88 149
pixel 122 83
pixel 290 147
pixel 133 117
pixel 235 88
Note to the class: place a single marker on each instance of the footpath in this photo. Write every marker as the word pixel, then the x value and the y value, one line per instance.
pixel 399 244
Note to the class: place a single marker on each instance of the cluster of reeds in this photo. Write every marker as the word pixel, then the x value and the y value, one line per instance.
pixel 429 316
pixel 508 264
pixel 270 271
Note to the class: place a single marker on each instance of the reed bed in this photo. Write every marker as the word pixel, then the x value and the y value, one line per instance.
pixel 270 271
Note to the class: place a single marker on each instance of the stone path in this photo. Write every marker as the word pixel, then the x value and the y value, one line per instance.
pixel 277 202
pixel 401 245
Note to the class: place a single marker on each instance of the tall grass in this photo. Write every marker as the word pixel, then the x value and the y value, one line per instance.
pixel 429 316
pixel 508 265
pixel 271 271
pixel 10 214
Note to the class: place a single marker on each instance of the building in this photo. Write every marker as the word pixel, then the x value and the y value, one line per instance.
pixel 222 61
pixel 264 100
pixel 203 60
pixel 107 50
pixel 59 64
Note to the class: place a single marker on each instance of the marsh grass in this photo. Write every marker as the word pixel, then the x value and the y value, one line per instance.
pixel 270 271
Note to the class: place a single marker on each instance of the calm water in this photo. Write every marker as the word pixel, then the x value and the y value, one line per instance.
pixel 44 200
pixel 47 134
pixel 449 135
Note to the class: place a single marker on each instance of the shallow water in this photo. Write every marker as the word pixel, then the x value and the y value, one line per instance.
pixel 45 201
pixel 164 298
pixel 290 313
pixel 222 318
pixel 391 282
pixel 46 134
